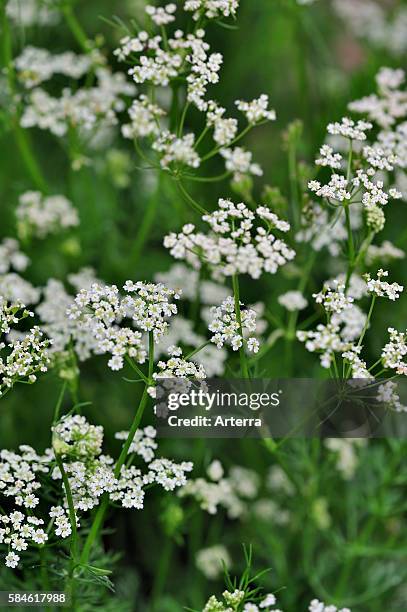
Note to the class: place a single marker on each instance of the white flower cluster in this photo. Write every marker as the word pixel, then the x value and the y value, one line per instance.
pixel 319 231
pixel 178 150
pixel 230 248
pixel 62 330
pixel 178 367
pixel 92 474
pixel 377 286
pixel 162 15
pixel 78 445
pixel 11 257
pixel 346 322
pixel 385 252
pixel 233 600
pixel 98 310
pixel 150 306
pixel 389 105
pixel 347 456
pixel 158 60
pixel 365 186
pixel 62 525
pixel 257 110
pixel 239 162
pixel 19 482
pixel 14 288
pixel 41 215
pixel 333 299
pixel 231 492
pixel 349 129
pixel 388 395
pixel 34 65
pixel 226 329
pixel 381 25
pixel 20 359
pixel 84 108
pixel 394 351
pixel 388 110
pixel 28 13
pixel 143 443
pixel 319 606
pixel 292 301
pixel 144 119
pixel 212 9
pixel 357 366
pixel 325 339
pixel 211 561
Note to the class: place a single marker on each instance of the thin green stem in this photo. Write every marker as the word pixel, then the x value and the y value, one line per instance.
pixel 351 246
pixel 76 28
pixel 72 519
pixel 20 135
pixel 197 207
pixel 183 117
pixel 146 223
pixel 367 323
pixel 195 351
pixel 101 511
pixel 294 187
pixel 207 179
pixel 236 293
pixel 216 150
pixel 59 402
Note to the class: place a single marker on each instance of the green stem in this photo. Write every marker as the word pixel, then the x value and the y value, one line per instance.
pixel 369 316
pixel 76 28
pixel 351 246
pixel 72 520
pixel 239 137
pixel 183 117
pixel 242 354
pixel 20 135
pixel 195 351
pixel 59 403
pixel 146 223
pixel 294 187
pixel 101 511
pixel 197 207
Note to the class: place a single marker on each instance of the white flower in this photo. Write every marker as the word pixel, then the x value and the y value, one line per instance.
pixel 268 601
pixel 387 394
pixel 215 470
pixel 333 298
pixel 43 215
pixel 36 65
pixel 350 129
pixel 239 161
pixel 212 8
pixel 329 158
pixel 12 560
pixel 210 561
pixel 161 15
pixel 176 150
pixel 293 300
pixel 382 288
pixel 144 119
pixel 394 351
pixel 32 12
pixel 231 248
pixel 257 109
pixel 225 327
